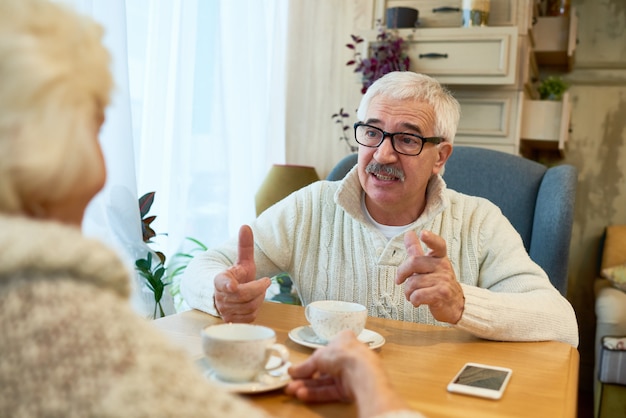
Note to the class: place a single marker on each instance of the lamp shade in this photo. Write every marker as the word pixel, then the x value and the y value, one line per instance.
pixel 280 182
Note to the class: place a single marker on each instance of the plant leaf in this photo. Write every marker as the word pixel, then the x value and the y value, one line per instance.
pixel 142 264
pixel 158 273
pixel 147 232
pixel 145 203
pixel 161 257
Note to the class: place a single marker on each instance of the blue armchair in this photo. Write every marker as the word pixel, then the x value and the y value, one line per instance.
pixel 538 200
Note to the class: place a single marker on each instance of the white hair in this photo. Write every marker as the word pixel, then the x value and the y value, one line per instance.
pixel 401 85
pixel 54 82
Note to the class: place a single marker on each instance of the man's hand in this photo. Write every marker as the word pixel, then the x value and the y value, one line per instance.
pixel 429 278
pixel 238 296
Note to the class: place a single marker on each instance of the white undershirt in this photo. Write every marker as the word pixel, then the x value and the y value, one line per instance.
pixel 387 230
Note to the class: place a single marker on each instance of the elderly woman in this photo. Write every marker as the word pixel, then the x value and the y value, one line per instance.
pixel 71 345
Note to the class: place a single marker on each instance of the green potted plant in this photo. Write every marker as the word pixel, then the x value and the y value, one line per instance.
pixel 552 88
pixel 153 268
pixel 546 121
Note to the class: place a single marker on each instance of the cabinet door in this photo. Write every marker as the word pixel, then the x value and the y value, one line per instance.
pixel 470 56
pixel 490 119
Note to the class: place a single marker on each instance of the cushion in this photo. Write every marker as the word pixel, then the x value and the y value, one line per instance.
pixel 614 343
pixel 610 309
pixel 614 252
pixel 612 367
pixel 616 275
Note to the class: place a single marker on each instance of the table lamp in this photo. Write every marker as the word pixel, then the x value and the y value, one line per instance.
pixel 282 180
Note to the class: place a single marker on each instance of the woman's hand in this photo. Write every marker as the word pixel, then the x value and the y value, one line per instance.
pixel 345 370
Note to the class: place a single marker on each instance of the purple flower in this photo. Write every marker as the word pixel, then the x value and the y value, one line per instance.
pixel 385 55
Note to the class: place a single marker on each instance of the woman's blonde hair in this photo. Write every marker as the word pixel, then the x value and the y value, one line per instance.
pixel 54 83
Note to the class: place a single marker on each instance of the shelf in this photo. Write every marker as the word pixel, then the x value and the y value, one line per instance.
pixel 555 40
pixel 546 123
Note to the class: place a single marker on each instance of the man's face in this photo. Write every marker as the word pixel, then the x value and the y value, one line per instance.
pixel 389 199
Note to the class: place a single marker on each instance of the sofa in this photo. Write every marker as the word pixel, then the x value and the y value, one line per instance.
pixel 610 308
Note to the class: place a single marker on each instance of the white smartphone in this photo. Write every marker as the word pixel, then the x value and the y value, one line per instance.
pixel 481 380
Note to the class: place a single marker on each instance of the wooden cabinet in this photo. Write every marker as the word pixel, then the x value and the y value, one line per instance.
pixel 494 70
pixel 462 56
pixel 473 56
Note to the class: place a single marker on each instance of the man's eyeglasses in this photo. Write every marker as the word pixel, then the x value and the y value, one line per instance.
pixel 402 143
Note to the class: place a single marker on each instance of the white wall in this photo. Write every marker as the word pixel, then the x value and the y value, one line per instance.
pixel 319 82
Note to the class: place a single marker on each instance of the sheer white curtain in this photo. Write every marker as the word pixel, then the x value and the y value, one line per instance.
pixel 197 117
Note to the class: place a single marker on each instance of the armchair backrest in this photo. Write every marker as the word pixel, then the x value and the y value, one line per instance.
pixel 614 246
pixel 537 200
pixel 344 165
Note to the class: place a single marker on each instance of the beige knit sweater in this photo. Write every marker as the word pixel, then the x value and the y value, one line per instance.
pixel 320 236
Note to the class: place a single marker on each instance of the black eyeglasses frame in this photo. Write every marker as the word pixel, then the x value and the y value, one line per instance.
pixel 433 140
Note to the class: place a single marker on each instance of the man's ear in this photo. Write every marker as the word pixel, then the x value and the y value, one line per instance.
pixel 444 150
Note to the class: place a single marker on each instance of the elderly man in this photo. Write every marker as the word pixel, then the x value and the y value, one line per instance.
pixel 391 236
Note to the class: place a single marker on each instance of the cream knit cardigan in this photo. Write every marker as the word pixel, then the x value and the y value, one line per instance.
pixel 320 236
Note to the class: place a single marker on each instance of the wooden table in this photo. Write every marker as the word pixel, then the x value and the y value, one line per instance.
pixel 420 360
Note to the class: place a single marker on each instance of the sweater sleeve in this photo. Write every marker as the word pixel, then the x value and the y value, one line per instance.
pixel 514 299
pixel 273 235
pixel 197 287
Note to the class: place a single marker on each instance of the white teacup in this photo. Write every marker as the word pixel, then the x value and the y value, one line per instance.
pixel 240 352
pixel 329 317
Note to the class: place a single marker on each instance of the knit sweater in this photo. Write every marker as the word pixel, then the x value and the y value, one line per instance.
pixel 322 238
pixel 71 346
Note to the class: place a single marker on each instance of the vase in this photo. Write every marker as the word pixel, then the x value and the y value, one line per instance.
pixel 475 13
pixel 402 17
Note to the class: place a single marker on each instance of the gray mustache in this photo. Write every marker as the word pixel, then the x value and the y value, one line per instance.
pixel 387 170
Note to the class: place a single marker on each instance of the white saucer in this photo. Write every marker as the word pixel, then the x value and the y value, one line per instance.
pixel 264 383
pixel 306 336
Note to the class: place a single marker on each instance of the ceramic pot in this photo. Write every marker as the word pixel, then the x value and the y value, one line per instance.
pixel 402 17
